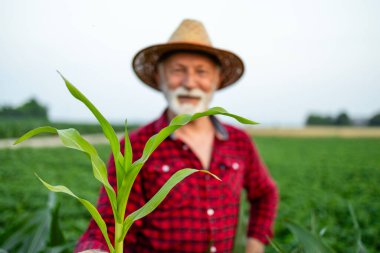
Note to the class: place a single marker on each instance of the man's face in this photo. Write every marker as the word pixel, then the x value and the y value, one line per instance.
pixel 188 81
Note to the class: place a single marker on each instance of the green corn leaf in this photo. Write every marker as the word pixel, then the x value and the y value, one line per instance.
pixel 29 234
pixel 353 217
pixel 152 204
pixel 128 155
pixel 36 131
pixel 126 186
pixel 322 231
pixel 360 248
pixel 71 138
pixel 56 236
pixel 276 246
pixel 313 223
pixel 222 111
pixel 39 238
pixel 106 126
pixel 311 243
pixel 182 120
pixel 14 234
pixel 156 140
pixel 91 208
pixel 108 131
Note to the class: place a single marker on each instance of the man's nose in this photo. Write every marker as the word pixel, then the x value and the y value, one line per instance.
pixel 190 81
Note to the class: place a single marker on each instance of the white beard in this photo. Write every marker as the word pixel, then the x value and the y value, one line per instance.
pixel 172 96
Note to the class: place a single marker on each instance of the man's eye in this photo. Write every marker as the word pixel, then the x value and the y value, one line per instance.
pixel 202 72
pixel 177 70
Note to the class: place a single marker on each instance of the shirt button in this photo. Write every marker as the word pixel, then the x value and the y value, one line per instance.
pixel 207 177
pixel 165 168
pixel 210 212
pixel 235 166
pixel 185 147
pixel 212 249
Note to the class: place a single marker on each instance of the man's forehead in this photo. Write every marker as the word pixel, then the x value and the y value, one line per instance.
pixel 178 56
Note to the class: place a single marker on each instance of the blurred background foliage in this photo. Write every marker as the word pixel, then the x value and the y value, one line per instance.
pixel 342 119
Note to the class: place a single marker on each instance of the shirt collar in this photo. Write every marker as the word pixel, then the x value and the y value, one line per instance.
pixel 221 131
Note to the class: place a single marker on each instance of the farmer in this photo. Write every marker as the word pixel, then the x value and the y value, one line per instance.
pixel 201 213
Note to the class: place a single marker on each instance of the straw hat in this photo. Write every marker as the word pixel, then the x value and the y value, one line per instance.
pixel 191 36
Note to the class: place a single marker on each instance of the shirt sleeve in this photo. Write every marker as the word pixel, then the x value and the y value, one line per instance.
pixel 93 238
pixel 262 194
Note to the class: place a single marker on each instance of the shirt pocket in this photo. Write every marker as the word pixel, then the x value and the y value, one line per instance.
pixel 232 170
pixel 156 173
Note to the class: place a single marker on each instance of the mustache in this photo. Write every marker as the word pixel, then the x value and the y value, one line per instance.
pixel 188 93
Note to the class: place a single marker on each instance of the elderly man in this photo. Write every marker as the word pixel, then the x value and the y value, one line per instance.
pixel 200 214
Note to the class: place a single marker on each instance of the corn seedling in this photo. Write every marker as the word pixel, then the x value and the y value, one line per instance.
pixel 126 169
pixel 39 231
pixel 311 241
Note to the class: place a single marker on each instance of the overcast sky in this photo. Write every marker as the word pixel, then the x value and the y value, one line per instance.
pixel 301 56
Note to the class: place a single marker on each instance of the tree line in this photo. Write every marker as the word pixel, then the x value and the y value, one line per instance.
pixel 342 119
pixel 15 121
pixel 29 110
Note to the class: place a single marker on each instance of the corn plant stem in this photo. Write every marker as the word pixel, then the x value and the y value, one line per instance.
pixel 118 233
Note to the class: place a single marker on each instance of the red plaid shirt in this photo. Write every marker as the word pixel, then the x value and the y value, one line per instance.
pixel 200 214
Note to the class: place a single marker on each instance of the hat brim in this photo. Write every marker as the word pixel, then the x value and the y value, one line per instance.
pixel 145 61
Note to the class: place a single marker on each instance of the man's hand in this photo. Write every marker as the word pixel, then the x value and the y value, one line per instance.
pixel 254 246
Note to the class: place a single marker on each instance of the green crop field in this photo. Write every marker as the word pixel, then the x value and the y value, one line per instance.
pixel 317 178
pixel 14 128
